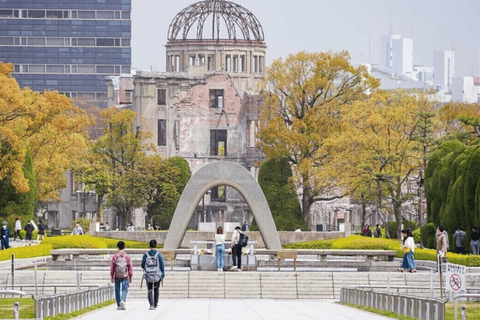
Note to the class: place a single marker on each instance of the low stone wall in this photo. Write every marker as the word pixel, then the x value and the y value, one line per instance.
pixel 286 237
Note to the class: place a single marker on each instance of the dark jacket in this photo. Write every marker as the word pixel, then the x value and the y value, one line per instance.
pixel 160 259
pixel 41 229
pixel 29 228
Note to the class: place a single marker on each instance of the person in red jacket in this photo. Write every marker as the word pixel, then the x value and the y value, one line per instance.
pixel 121 273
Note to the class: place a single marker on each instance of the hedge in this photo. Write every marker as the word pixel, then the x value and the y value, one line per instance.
pixel 366 243
pixel 86 242
pixel 319 244
pixel 26 252
pixel 112 244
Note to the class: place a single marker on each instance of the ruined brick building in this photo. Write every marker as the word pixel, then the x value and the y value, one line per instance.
pixel 204 108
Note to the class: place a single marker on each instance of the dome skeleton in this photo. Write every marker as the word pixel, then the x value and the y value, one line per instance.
pixel 234 16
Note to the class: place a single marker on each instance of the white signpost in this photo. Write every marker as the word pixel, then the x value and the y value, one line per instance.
pixel 455 278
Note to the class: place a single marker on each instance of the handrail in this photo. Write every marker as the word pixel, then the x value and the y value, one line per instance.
pixel 414 307
pixel 462 295
pixel 51 305
pixel 12 292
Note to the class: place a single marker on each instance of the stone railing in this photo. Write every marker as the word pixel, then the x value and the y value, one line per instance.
pixel 405 305
pixel 50 306
pixel 286 237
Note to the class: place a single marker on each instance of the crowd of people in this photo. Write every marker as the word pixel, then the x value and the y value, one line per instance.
pixel 29 228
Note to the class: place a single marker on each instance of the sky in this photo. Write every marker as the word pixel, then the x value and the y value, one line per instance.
pixel 332 25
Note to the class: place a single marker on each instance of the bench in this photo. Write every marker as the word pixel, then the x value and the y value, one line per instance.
pixel 368 255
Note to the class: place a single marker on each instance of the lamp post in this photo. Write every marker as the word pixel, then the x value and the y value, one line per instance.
pixel 204 210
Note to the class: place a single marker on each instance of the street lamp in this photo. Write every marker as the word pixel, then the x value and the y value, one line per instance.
pixel 204 210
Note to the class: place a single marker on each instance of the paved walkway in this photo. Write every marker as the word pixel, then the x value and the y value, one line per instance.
pixel 241 309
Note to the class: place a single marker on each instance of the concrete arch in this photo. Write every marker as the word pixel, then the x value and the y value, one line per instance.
pixel 222 173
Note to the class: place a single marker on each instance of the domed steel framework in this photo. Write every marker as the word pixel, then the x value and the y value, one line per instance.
pixel 234 16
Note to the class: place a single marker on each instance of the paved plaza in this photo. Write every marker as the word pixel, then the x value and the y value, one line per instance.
pixel 232 309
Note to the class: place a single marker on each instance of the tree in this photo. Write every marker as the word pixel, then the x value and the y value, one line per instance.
pixel 303 95
pixel 377 140
pixel 48 125
pixel 162 208
pixel 275 179
pixel 118 168
pixel 15 204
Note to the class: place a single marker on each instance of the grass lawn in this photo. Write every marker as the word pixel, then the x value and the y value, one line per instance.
pixel 27 308
pixel 65 316
pixel 473 311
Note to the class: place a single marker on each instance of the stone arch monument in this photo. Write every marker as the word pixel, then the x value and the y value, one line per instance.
pixel 232 175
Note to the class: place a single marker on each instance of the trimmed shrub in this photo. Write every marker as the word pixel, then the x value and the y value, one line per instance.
pixel 416 235
pixel 80 242
pixel 427 233
pixel 366 243
pixel 26 252
pixel 320 244
pixel 112 244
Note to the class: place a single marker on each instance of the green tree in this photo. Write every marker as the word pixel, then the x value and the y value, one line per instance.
pixel 162 210
pixel 275 179
pixel 14 203
pixel 303 95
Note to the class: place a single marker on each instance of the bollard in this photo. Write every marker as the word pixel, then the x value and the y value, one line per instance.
pixel 16 310
pixel 13 271
pixel 464 313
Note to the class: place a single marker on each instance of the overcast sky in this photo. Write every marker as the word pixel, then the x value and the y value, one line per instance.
pixel 322 25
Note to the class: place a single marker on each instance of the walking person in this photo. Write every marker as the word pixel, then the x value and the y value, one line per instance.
pixel 29 232
pixel 408 263
pixel 154 273
pixel 5 235
pixel 17 229
pixel 121 273
pixel 220 248
pixel 441 247
pixel 41 231
pixel 460 236
pixel 475 240
pixel 77 230
pixel 378 232
pixel 236 250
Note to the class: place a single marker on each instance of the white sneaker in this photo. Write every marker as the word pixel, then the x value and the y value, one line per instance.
pixel 122 305
pixel 239 270
pixel 151 308
pixel 233 268
pixel 219 269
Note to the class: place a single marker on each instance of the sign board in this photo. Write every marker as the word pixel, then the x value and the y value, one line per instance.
pixel 455 278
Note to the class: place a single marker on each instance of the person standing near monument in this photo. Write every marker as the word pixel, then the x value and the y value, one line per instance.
pixel 220 248
pixel 236 250
pixel 121 273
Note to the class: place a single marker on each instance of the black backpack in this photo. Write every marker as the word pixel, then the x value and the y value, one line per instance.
pixel 243 240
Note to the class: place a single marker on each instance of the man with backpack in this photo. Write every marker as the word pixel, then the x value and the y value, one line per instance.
pixel 154 272
pixel 237 249
pixel 460 236
pixel 121 273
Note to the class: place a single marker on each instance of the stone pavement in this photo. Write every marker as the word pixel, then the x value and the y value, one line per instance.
pixel 232 309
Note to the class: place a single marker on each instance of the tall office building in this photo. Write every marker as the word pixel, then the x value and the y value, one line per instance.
pixel 68 46
pixel 443 69
pixel 397 54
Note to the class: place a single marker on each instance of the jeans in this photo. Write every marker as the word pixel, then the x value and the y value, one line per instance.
pixel 153 293
pixel 124 284
pixel 460 250
pixel 237 254
pixel 5 243
pixel 220 254
pixel 475 246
